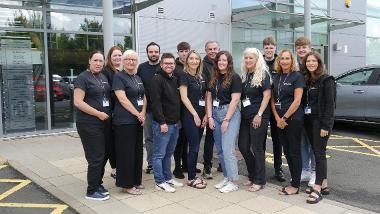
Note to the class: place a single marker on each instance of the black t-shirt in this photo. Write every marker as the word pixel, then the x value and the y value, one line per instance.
pixel 109 73
pixel 96 90
pixel 196 90
pixel 255 95
pixel 312 93
pixel 222 94
pixel 146 71
pixel 134 90
pixel 283 88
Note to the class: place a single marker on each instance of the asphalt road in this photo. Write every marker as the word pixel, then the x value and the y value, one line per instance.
pixel 353 166
pixel 20 196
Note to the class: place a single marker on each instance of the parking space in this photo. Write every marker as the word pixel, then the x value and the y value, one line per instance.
pixel 20 195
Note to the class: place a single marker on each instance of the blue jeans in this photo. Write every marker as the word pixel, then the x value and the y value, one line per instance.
pixel 148 137
pixel 163 149
pixel 225 143
pixel 193 137
pixel 308 159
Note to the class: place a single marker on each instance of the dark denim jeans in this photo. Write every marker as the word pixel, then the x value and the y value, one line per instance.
pixel 163 148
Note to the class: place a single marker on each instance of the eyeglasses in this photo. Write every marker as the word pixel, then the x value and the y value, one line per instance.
pixel 129 59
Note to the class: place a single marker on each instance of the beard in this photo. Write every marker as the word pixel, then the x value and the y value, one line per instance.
pixel 153 59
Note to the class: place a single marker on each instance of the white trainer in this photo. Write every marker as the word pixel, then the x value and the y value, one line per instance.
pixel 222 183
pixel 229 187
pixel 174 183
pixel 312 179
pixel 165 187
pixel 305 175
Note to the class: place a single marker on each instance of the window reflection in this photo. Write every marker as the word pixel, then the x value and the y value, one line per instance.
pixel 20 18
pixel 74 22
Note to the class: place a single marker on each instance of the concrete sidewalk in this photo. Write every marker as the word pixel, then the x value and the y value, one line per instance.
pixel 57 164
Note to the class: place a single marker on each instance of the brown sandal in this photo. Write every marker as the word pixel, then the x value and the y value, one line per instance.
pixel 132 191
pixel 255 188
pixel 197 183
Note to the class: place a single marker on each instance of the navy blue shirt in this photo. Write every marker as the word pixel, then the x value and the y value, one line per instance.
pixel 196 90
pixel 222 94
pixel 96 89
pixel 146 72
pixel 283 91
pixel 255 95
pixel 134 90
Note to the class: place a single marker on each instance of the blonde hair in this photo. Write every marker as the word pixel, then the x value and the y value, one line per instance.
pixel 277 66
pixel 125 55
pixel 259 71
pixel 198 73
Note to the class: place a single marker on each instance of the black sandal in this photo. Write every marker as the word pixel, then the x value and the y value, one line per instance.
pixel 316 199
pixel 324 191
pixel 283 190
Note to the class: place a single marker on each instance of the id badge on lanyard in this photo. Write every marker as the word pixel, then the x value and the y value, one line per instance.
pixel 106 102
pixel 140 101
pixel 215 103
pixel 202 102
pixel 278 105
pixel 307 109
pixel 246 102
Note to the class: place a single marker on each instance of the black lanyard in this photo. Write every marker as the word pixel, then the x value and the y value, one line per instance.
pixel 217 89
pixel 279 88
pixel 199 84
pixel 249 77
pixel 134 80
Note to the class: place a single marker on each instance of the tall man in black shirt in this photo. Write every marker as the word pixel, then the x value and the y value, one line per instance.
pixel 166 114
pixel 211 48
pixel 269 46
pixel 146 71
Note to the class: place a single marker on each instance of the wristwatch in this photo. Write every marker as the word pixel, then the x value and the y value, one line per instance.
pixel 259 114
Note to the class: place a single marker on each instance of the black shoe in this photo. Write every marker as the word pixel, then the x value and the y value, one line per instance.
pixel 220 168
pixel 198 170
pixel 178 173
pixel 149 169
pixel 279 175
pixel 184 169
pixel 207 173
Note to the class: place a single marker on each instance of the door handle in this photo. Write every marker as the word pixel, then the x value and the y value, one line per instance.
pixel 358 92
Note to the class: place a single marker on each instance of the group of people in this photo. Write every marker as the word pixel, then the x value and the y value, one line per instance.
pixel 170 102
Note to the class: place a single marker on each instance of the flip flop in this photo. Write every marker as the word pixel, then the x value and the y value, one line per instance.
pixel 317 198
pixel 284 192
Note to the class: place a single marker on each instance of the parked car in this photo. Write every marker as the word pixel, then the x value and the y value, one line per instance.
pixel 358 95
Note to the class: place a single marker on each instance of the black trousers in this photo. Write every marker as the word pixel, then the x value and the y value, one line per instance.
pixel 208 148
pixel 129 155
pixel 180 152
pixel 290 137
pixel 94 139
pixel 318 143
pixel 277 146
pixel 111 150
pixel 252 147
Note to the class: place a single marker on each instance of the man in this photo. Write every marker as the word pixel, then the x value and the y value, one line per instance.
pixel 211 48
pixel 146 71
pixel 166 114
pixel 303 47
pixel 269 46
pixel 180 153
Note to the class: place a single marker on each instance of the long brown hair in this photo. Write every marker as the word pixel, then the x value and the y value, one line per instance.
pixel 277 66
pixel 320 69
pixel 216 71
pixel 109 63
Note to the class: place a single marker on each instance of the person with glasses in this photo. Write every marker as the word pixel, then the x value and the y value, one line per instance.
pixel 92 94
pixel 288 86
pixel 166 115
pixel 128 121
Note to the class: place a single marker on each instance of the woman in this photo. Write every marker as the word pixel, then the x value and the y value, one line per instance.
pixel 193 92
pixel 319 101
pixel 92 98
pixel 255 116
pixel 287 92
pixel 128 121
pixel 112 66
pixel 223 97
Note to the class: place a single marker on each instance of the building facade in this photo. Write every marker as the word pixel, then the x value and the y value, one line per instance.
pixel 44 44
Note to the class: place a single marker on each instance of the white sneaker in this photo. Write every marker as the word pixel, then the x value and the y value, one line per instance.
pixel 305 175
pixel 222 183
pixel 165 187
pixel 229 187
pixel 312 179
pixel 174 183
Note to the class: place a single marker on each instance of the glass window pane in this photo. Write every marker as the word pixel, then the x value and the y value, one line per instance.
pixel 373 51
pixel 20 18
pixel 30 3
pixel 122 25
pixel 68 56
pixel 357 78
pixel 373 27
pixel 23 82
pixel 124 42
pixel 79 5
pixel 74 22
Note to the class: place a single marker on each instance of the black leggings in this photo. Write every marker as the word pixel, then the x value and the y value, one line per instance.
pixel 318 143
pixel 252 147
pixel 290 137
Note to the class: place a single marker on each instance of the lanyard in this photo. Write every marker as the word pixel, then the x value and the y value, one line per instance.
pixel 133 78
pixel 100 83
pixel 279 88
pixel 199 84
pixel 247 83
pixel 217 89
pixel 308 93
